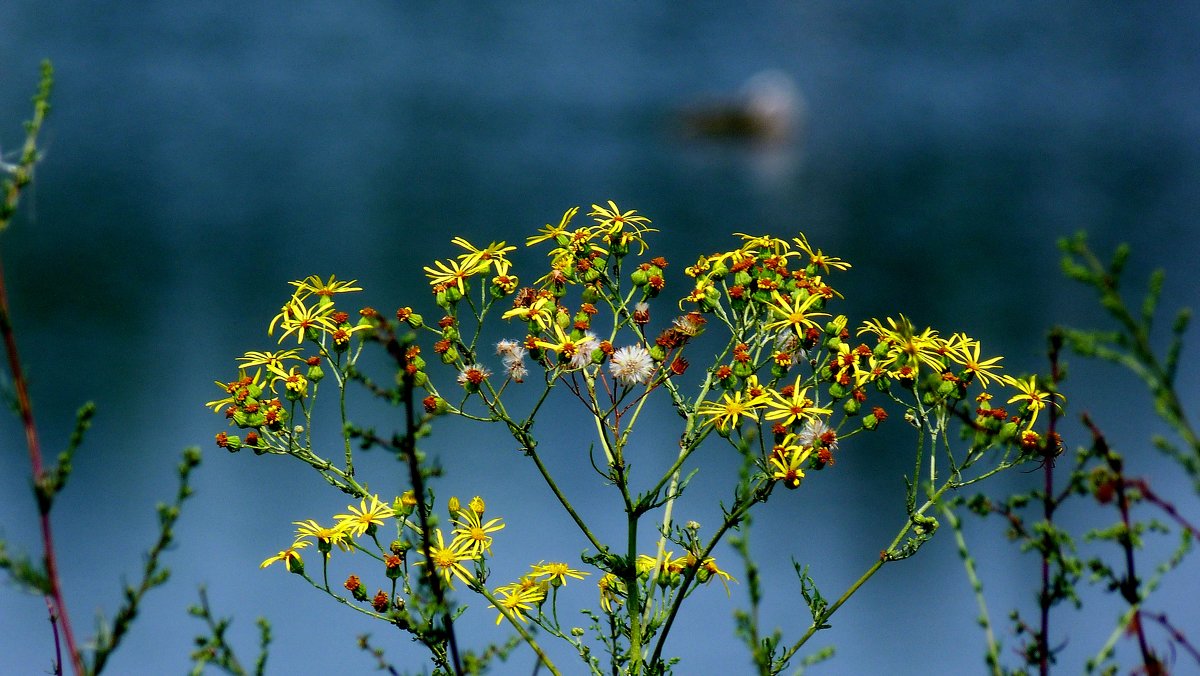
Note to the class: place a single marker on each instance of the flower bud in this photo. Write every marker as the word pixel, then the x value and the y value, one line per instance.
pixel 355 587
pixel 453 505
pixel 406 503
pixel 477 505
pixel 639 277
pixel 391 565
pixel 315 374
pixel 851 406
pixel 743 369
pixel 450 356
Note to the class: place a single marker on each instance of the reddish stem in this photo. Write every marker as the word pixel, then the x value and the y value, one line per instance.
pixel 35 459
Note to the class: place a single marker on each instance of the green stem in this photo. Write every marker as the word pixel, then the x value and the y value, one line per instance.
pixel 525 635
pixel 813 628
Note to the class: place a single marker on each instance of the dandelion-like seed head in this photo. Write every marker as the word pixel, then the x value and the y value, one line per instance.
pixel 631 365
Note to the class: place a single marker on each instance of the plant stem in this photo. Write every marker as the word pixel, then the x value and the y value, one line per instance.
pixel 43 491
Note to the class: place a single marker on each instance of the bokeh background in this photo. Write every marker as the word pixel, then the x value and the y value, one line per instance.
pixel 200 155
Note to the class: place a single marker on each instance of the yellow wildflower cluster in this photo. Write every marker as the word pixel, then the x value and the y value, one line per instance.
pixel 520 597
pixel 358 521
pixel 253 400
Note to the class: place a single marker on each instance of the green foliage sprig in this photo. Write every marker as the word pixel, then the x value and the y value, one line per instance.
pixel 48 481
pixel 1099 472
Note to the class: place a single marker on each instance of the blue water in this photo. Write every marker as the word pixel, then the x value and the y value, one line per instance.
pixel 201 154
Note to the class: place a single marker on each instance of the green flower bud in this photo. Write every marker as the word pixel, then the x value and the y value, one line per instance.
pixel 778 371
pixel 851 406
pixel 742 278
pixel 743 369
pixel 590 294
pixel 315 374
pixel 453 294
pixel 450 356
pixel 639 277
pixel 295 565
pixel 657 353
pixel 870 422
pixel 416 321
pixel 837 391
pixel 406 503
pixel 1007 432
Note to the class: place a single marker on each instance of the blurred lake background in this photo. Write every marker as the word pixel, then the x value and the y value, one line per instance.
pixel 202 154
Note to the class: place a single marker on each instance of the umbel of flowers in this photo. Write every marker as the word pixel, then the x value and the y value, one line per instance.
pixel 784 379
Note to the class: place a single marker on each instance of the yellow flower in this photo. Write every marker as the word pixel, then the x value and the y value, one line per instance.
pixel 269 359
pixel 727 413
pixel 906 347
pixel 787 462
pixel 708 569
pixel 362 518
pixel 614 223
pixel 493 256
pixel 313 285
pixel 965 351
pixel 793 314
pixel 325 536
pixel 238 390
pixel 565 347
pixel 790 410
pixel 818 258
pixel 447 561
pixel 297 318
pixel 556 573
pixel 471 535
pixel 518 600
pixel 551 232
pixel 540 311
pixel 612 590
pixel 294 382
pixel 450 273
pixel 755 242
pixel 1035 399
pixel 290 557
